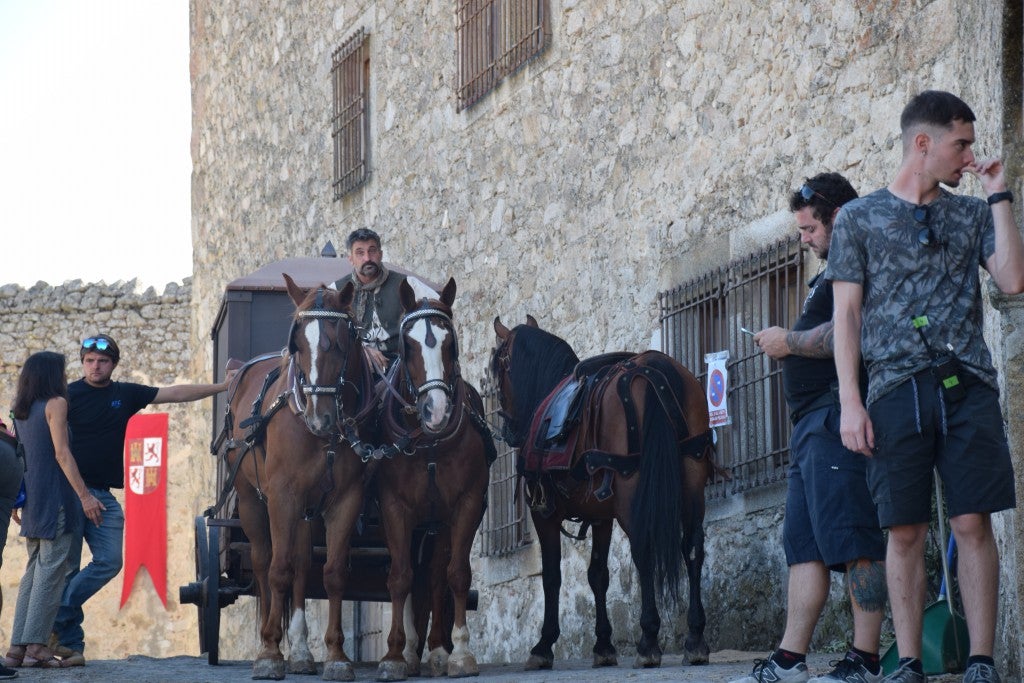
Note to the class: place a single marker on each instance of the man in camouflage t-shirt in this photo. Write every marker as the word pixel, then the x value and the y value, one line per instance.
pixel 904 265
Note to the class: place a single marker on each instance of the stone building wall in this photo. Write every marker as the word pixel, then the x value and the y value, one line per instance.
pixel 647 144
pixel 154 332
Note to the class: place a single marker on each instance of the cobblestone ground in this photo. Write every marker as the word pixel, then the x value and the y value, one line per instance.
pixel 725 666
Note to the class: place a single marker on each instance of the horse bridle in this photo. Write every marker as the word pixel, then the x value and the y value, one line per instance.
pixel 300 388
pixel 430 384
pixel 503 364
pixel 409 442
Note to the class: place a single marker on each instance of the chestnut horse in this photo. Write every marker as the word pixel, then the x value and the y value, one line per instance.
pixel 297 454
pixel 437 474
pixel 640 454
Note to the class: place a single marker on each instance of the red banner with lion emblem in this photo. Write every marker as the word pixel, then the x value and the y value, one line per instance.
pixel 145 497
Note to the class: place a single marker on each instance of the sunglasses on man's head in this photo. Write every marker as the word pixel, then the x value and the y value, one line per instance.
pixel 94 343
pixel 806 191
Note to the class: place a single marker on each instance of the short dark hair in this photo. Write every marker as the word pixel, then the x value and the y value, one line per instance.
pixel 361 235
pixel 89 346
pixel 42 377
pixel 935 108
pixel 830 191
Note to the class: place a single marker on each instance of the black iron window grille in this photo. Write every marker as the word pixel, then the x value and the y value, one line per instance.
pixel 705 315
pixel 504 528
pixel 494 38
pixel 350 123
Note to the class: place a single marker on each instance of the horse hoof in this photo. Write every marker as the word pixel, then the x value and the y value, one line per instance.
pixel 305 666
pixel 697 653
pixel 338 671
pixel 651 661
pixel 412 665
pixel 438 661
pixel 602 660
pixel 536 663
pixel 462 666
pixel 268 670
pixel 391 671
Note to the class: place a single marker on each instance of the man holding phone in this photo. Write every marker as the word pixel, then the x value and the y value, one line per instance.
pixel 830 523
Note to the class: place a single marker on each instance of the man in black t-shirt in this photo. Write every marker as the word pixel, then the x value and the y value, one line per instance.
pixel 98 413
pixel 830 523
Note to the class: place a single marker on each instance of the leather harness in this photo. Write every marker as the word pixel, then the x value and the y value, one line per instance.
pixel 597 375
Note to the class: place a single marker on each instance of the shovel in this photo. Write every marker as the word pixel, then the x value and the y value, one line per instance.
pixel 944 642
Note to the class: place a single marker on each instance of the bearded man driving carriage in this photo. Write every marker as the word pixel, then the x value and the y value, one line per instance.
pixel 377 307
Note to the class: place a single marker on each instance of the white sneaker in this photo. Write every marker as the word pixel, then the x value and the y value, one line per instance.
pixel 767 671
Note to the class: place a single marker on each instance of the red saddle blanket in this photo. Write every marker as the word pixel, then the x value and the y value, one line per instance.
pixel 541 454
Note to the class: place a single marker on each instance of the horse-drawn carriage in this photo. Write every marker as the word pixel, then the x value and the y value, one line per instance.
pixel 302 430
pixel 256 319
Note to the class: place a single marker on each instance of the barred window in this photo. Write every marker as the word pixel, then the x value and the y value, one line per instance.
pixel 504 526
pixel 494 38
pixel 705 315
pixel 350 124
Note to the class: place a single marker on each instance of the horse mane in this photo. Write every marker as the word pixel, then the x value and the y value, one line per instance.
pixel 540 360
pixel 331 300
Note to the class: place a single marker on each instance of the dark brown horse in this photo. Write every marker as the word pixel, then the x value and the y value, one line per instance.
pixel 298 454
pixel 436 475
pixel 639 454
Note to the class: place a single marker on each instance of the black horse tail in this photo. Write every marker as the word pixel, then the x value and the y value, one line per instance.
pixel 657 508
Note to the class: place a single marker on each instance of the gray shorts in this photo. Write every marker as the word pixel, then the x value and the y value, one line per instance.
pixel 916 431
pixel 829 514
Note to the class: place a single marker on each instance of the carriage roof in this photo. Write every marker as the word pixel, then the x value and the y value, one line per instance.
pixel 307 272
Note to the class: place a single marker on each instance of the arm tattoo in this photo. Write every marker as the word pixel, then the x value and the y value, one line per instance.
pixel 817 342
pixel 867 585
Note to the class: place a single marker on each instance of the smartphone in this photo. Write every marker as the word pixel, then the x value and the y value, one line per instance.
pixel 746 331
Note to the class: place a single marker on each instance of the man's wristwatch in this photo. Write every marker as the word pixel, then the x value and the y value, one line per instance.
pixel 997 197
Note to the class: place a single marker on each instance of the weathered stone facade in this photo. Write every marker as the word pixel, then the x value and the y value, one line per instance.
pixel 648 143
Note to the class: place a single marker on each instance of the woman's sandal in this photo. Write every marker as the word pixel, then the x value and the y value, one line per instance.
pixel 52 663
pixel 14 658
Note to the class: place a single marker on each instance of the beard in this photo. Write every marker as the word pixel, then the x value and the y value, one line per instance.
pixel 369 269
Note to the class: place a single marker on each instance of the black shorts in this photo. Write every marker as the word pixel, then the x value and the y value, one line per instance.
pixel 830 517
pixel 916 431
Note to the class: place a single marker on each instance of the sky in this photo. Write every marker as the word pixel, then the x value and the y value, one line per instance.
pixel 95 123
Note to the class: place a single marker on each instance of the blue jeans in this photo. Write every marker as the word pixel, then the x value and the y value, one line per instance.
pixel 105 543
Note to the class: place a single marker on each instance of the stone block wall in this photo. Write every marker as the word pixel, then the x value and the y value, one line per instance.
pixel 154 332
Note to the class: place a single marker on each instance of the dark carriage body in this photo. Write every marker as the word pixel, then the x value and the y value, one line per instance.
pixel 254 319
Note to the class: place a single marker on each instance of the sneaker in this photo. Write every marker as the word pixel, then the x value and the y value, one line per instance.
pixel 850 669
pixel 905 675
pixel 981 673
pixel 7 673
pixel 767 671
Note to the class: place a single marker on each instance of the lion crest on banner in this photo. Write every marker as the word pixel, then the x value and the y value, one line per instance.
pixel 145 456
